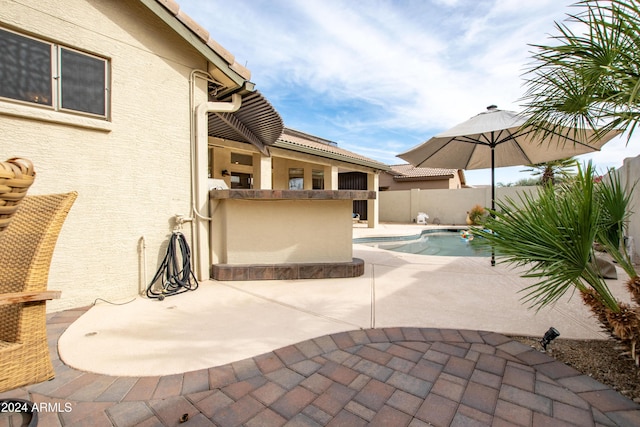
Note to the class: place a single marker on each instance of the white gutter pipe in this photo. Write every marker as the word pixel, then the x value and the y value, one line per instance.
pixel 199 188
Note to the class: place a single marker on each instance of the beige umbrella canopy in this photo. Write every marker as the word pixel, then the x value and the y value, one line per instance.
pixel 496 138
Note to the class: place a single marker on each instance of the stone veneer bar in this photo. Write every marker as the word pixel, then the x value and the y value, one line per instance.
pixel 294 271
pixel 293 194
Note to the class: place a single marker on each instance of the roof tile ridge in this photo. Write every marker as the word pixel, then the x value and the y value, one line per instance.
pixel 174 8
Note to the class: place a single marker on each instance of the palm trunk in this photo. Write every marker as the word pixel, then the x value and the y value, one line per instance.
pixel 623 325
pixel 633 285
pixel 626 327
pixel 597 307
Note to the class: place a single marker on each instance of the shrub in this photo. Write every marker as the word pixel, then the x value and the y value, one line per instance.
pixel 477 214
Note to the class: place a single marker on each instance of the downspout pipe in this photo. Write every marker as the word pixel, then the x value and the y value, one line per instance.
pixel 199 188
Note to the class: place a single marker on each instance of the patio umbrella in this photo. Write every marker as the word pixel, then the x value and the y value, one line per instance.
pixel 497 138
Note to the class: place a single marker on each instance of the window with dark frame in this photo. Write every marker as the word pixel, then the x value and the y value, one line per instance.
pixel 241 180
pixel 44 73
pixel 318 179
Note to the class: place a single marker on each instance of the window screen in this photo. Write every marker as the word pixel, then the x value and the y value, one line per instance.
pixel 25 68
pixel 82 82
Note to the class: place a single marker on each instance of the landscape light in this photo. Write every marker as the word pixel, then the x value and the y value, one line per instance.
pixel 549 336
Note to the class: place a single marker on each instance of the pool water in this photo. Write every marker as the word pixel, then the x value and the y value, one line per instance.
pixel 430 242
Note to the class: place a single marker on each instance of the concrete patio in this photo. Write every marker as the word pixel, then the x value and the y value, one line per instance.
pixel 222 322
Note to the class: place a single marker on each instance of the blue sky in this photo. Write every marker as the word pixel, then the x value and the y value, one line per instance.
pixel 381 76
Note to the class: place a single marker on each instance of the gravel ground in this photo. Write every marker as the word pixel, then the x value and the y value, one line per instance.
pixel 601 359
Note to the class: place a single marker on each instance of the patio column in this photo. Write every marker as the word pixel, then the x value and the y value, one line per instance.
pixel 262 172
pixel 308 178
pixel 373 181
pixel 330 177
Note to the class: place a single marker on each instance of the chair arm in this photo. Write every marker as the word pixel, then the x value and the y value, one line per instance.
pixel 19 297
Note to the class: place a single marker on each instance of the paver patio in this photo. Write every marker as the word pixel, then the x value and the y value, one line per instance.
pixel 386 377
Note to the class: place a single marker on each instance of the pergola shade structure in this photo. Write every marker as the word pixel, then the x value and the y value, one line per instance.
pixel 256 123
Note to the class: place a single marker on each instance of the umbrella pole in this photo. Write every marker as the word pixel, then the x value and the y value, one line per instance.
pixel 493 198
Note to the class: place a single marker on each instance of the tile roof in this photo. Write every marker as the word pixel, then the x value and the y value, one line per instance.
pixel 300 141
pixel 406 171
pixel 174 8
pixel 289 139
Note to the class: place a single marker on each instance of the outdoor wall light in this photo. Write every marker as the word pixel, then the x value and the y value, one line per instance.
pixel 549 336
pixel 225 173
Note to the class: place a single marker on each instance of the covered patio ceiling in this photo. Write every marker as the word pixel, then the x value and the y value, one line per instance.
pixel 256 123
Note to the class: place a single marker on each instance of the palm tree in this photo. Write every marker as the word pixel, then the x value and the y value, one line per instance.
pixel 589 80
pixel 552 234
pixel 554 171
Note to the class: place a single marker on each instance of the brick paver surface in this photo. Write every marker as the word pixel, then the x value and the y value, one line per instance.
pixel 387 377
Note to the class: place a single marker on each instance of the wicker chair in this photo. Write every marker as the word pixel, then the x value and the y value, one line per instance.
pixel 26 249
pixel 16 176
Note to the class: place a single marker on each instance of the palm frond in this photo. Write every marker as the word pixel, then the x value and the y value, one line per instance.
pixel 589 79
pixel 551 235
pixel 614 199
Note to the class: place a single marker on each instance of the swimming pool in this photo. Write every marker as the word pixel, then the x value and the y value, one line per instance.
pixel 429 242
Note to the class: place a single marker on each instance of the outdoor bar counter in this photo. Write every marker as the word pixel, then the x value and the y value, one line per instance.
pixel 283 234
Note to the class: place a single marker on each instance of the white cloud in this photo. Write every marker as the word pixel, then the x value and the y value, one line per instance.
pixel 377 73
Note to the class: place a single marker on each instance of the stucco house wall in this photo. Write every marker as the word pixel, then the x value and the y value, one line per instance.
pixel 132 172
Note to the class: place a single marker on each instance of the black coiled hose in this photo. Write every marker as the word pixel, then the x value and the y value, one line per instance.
pixel 171 277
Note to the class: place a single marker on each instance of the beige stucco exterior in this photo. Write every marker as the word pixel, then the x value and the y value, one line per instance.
pixel 132 172
pixel 262 231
